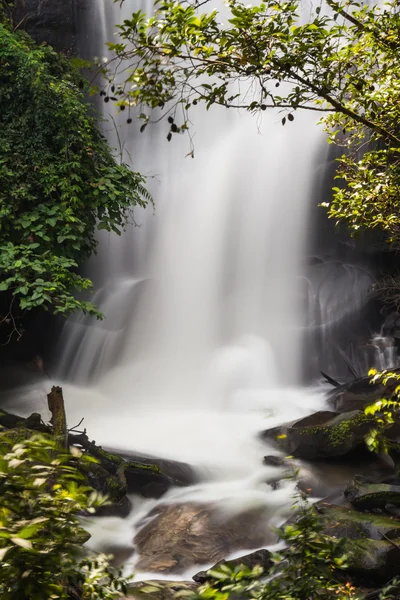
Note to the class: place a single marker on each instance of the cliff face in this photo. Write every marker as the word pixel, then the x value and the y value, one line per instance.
pixel 56 22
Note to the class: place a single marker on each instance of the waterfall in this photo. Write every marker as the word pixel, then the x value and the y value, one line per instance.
pixel 201 347
pixel 202 300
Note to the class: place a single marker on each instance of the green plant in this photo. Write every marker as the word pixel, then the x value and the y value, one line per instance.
pixel 59 181
pixel 385 410
pixel 41 555
pixel 306 570
pixel 341 58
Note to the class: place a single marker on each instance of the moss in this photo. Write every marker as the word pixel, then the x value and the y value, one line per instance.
pixel 102 481
pixel 147 467
pixel 337 433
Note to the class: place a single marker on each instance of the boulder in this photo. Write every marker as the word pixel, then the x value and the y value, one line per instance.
pixel 261 558
pixel 146 480
pixel 140 477
pixel 365 495
pixel 182 535
pixel 358 394
pixel 342 522
pixel 371 560
pixel 323 434
pixel 179 473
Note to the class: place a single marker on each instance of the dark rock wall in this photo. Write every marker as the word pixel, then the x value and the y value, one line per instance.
pixel 60 23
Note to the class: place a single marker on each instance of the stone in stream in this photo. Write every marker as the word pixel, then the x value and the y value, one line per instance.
pixel 365 495
pixel 261 558
pixel 344 522
pixel 182 535
pixel 323 434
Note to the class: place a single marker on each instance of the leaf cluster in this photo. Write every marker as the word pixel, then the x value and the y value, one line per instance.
pixel 41 537
pixel 59 179
pixel 385 410
pixel 342 60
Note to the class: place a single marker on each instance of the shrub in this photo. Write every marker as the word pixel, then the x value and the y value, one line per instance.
pixel 41 538
pixel 59 181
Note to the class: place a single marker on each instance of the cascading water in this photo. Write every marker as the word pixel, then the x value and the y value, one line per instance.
pixel 201 345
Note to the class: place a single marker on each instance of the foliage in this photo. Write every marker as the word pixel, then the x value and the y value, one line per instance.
pixel 391 590
pixel 385 410
pixel 339 57
pixel 40 533
pixel 306 570
pixel 59 180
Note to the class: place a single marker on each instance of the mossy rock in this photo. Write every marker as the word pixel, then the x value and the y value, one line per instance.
pixel 101 480
pixel 111 462
pixel 146 480
pixel 342 522
pixel 10 421
pixel 365 495
pixel 143 478
pixel 324 434
pixel 372 561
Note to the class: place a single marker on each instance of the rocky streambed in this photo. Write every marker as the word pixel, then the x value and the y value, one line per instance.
pixel 358 494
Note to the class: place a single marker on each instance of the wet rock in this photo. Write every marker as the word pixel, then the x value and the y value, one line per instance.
pixel 276 461
pixel 53 21
pixel 365 495
pixel 261 558
pixel 342 522
pixel 323 434
pixel 102 481
pixel 183 535
pixel 179 473
pixel 391 326
pixel 140 477
pixel 120 508
pixel 146 480
pixel 358 394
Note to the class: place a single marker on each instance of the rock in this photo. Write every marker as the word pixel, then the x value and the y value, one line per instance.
pixel 120 508
pixel 276 461
pixel 365 495
pixel 372 560
pixel 146 480
pixel 34 421
pixel 391 326
pixel 102 481
pixel 53 21
pixel 321 435
pixel 144 477
pixel 342 522
pixel 261 558
pixel 179 473
pixel 358 394
pixel 159 590
pixel 183 535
